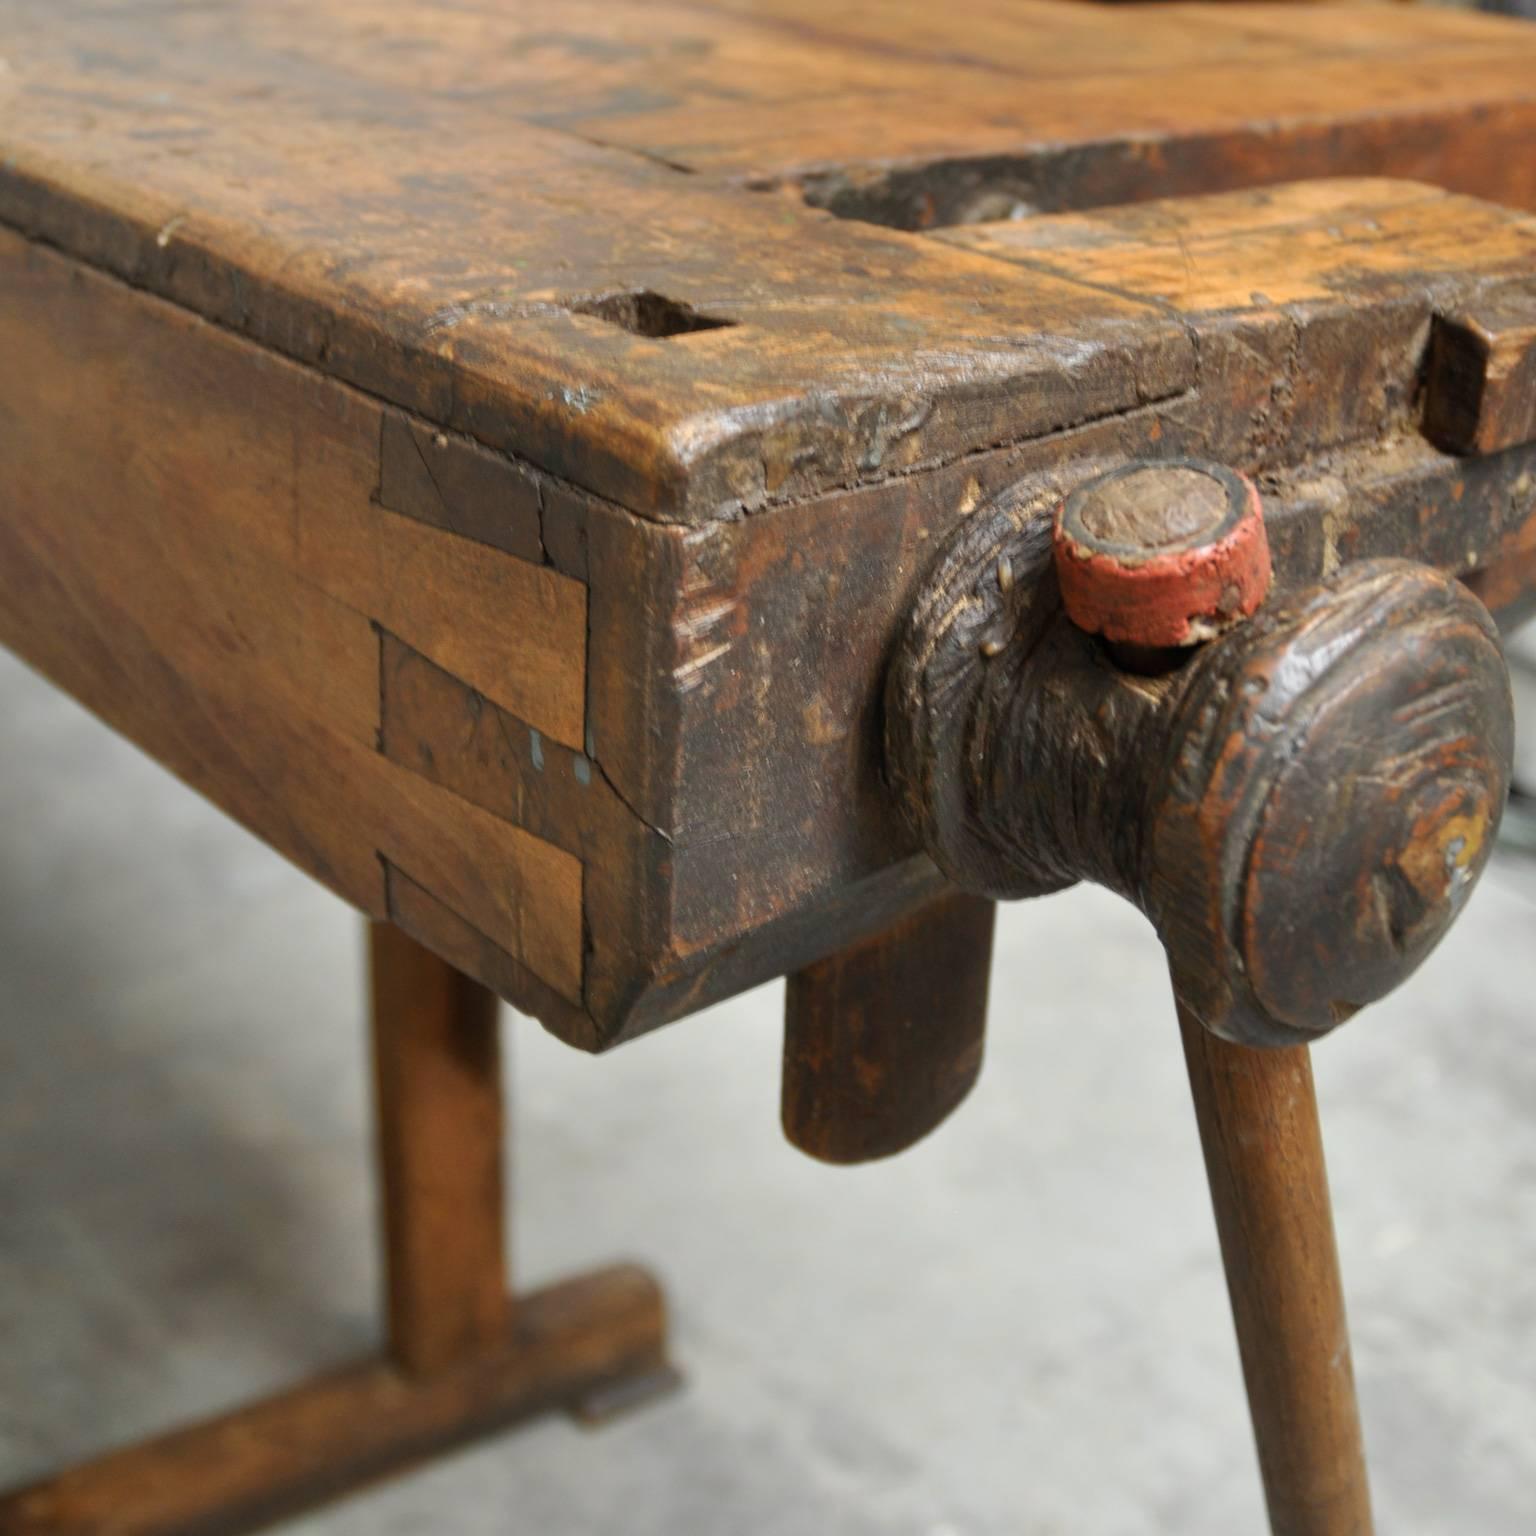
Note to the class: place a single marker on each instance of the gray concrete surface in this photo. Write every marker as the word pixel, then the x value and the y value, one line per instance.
pixel 1018 1329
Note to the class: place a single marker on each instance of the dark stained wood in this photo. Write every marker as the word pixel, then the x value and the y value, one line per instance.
pixel 771 786
pixel 1037 106
pixel 774 748
pixel 1481 390
pixel 1257 1114
pixel 1398 498
pixel 434 724
pixel 1311 302
pixel 459 440
pixel 434 924
pixel 455 484
pixel 1373 835
pixel 291 1452
pixel 760 831
pixel 437 1072
pixel 1301 807
pixel 883 1040
pixel 1507 586
pixel 1371 238
pixel 1453 117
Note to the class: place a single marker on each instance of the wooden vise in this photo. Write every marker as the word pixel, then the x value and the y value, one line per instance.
pixel 1095 679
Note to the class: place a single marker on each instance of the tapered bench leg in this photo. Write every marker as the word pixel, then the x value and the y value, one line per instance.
pixel 461 1355
pixel 1257 1114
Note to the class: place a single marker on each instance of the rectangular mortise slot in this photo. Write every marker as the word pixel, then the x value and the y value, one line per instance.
pixel 643 313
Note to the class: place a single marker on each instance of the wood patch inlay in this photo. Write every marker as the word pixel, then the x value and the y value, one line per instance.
pixel 437 726
pixel 455 484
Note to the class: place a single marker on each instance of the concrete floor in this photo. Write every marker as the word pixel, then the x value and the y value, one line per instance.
pixel 1017 1329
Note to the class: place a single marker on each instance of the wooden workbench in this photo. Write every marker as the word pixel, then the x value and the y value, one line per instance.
pixel 493 451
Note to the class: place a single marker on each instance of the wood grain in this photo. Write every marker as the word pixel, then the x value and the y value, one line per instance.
pixel 437 1077
pixel 1257 1114
pixel 208 575
pixel 221 166
pixel 734 821
pixel 761 763
pixel 459 441
pixel 453 483
pixel 1301 807
pixel 883 1040
pixel 1274 246
pixel 468 297
pixel 1481 385
pixel 791 468
pixel 1312 302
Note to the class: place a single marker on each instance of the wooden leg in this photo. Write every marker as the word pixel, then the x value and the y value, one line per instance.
pixel 462 1357
pixel 1264 1159
pixel 437 1071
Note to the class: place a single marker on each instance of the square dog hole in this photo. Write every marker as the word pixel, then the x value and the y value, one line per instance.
pixel 644 313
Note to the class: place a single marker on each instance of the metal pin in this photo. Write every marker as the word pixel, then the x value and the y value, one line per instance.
pixel 1004 574
pixel 992 647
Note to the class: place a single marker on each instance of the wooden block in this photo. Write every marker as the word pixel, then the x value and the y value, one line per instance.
pixel 1272 247
pixel 438 727
pixel 455 484
pixel 490 302
pixel 435 925
pixel 1481 389
pixel 1454 111
pixel 218 579
pixel 1312 302
pixel 883 1040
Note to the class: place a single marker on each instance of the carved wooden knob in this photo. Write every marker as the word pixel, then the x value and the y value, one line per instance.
pixel 1301 806
pixel 1333 781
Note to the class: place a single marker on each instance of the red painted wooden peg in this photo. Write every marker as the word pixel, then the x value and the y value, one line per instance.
pixel 1162 554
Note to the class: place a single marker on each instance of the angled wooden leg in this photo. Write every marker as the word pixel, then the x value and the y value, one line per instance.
pixel 1300 801
pixel 461 1356
pixel 1264 1158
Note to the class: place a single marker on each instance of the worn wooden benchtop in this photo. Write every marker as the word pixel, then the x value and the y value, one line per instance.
pixel 454 438
pixel 414 195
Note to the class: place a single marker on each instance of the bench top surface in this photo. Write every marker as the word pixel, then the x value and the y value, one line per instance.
pixel 584 231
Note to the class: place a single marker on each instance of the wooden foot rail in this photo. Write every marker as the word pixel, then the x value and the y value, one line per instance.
pixel 462 1356
pixel 330 1436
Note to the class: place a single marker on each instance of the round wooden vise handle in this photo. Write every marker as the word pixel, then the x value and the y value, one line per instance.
pixel 1299 792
